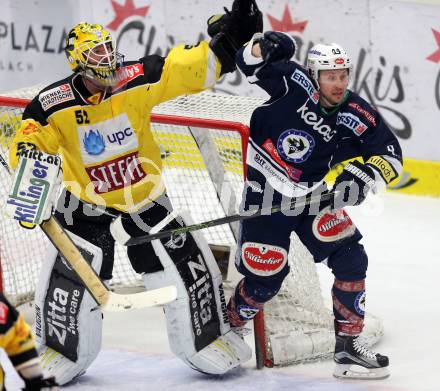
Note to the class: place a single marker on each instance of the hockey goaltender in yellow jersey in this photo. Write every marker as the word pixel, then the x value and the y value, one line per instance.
pixel 98 121
pixel 107 148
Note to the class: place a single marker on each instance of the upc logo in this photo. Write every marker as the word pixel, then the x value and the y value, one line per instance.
pixel 94 143
pixel 118 137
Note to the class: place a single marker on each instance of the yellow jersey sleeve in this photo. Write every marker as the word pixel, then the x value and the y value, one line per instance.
pixel 187 70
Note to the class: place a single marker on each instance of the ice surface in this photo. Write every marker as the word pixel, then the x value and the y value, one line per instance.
pixel 402 239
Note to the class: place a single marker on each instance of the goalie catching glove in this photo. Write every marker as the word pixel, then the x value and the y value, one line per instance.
pixel 35 187
pixel 231 30
pixel 352 185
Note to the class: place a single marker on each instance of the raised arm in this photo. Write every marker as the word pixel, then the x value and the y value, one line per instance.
pixel 193 68
pixel 265 60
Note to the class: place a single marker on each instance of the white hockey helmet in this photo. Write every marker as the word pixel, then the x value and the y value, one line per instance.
pixel 326 57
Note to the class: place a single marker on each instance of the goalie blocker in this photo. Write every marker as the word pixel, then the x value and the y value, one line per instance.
pixel 197 322
pixel 35 187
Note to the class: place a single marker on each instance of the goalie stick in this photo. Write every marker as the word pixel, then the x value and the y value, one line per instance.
pixel 297 202
pixel 108 300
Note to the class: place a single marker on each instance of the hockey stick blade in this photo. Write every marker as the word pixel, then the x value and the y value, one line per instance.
pixel 299 202
pixel 156 297
pixel 108 300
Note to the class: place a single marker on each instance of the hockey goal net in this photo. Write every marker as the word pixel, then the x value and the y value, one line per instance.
pixel 203 139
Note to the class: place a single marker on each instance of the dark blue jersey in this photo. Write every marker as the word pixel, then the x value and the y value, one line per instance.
pixel 294 142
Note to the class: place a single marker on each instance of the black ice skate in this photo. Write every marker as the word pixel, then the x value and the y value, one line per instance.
pixel 355 361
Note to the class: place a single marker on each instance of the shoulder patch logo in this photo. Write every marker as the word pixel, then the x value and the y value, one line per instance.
pixel 127 74
pixel 55 96
pixel 30 128
pixel 369 116
pixel 303 80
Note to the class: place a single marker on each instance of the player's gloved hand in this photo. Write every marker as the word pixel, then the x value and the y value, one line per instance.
pixel 240 24
pixel 231 30
pixel 352 185
pixel 276 46
pixel 40 384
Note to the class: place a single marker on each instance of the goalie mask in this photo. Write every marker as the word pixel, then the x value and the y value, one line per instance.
pixel 326 57
pixel 91 51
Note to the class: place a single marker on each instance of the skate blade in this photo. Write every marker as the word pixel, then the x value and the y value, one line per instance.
pixel 353 371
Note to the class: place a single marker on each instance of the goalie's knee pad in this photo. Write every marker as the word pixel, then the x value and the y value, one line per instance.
pixel 68 322
pixel 197 322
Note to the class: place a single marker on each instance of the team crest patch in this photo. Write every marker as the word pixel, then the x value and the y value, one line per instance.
pixel 263 259
pixel 359 303
pixel 55 96
pixel 295 146
pixel 4 310
pixel 330 226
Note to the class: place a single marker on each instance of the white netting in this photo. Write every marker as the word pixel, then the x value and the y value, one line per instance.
pixel 298 325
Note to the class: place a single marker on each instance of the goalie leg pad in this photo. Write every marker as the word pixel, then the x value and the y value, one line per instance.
pixel 197 322
pixel 68 323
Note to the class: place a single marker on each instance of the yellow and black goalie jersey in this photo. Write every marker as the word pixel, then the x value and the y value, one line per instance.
pixel 107 148
pixel 16 337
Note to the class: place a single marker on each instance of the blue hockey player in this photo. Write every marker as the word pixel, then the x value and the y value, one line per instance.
pixel 311 122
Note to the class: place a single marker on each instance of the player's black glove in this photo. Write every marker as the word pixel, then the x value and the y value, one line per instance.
pixel 40 384
pixel 276 46
pixel 231 30
pixel 352 185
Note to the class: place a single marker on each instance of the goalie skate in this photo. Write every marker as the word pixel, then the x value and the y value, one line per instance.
pixel 226 352
pixel 355 361
pixel 59 366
